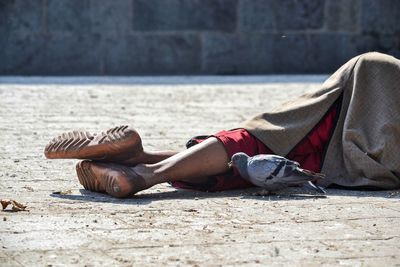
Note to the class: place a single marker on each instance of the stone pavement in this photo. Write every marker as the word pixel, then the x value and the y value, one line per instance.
pixel 164 226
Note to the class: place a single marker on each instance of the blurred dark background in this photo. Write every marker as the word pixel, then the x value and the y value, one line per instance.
pixel 151 37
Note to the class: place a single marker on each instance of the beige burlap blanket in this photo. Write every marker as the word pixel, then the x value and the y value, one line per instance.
pixel 365 145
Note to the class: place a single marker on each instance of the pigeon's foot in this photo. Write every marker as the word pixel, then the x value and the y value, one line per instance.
pixel 264 192
pixel 116 180
pixel 118 144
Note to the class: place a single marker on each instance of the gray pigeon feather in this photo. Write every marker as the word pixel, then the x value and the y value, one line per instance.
pixel 273 172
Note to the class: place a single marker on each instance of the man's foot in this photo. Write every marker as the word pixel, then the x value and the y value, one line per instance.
pixel 116 180
pixel 118 144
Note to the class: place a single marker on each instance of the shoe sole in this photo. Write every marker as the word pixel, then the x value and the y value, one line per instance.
pixel 77 144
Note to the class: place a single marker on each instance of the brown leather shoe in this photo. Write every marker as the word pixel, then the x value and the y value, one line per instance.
pixel 116 180
pixel 116 144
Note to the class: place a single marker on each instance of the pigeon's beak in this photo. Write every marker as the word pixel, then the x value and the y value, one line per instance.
pixel 230 164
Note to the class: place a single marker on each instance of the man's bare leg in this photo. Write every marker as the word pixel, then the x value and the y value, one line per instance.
pixel 192 165
pixel 202 160
pixel 147 157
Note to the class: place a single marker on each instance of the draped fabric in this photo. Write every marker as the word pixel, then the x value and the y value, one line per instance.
pixel 364 148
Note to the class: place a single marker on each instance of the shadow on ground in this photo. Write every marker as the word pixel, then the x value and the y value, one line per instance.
pixel 252 193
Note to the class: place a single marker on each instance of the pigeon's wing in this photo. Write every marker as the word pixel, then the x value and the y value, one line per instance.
pixel 283 167
pixel 300 176
pixel 259 168
pixel 262 169
pixel 286 168
pixel 269 157
pixel 275 172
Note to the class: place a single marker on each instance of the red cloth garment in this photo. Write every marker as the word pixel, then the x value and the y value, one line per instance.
pixel 309 153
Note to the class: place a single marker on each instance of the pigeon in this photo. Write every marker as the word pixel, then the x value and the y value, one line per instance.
pixel 273 172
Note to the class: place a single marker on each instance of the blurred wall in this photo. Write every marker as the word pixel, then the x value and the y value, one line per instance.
pixel 132 37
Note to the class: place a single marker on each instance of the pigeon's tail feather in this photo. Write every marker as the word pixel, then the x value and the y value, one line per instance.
pixel 301 176
pixel 316 187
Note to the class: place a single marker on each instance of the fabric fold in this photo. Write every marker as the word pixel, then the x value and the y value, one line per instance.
pixel 363 150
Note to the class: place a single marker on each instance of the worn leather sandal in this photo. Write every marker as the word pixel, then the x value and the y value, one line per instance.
pixel 116 180
pixel 116 144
